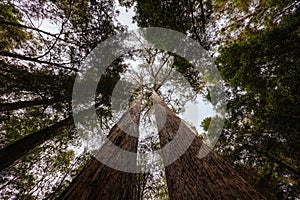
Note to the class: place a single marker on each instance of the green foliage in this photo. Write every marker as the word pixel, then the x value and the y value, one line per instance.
pixel 263 128
pixel 29 54
pixel 245 18
pixel 162 14
pixel 205 123
pixel 189 72
pixel 11 36
pixel 182 16
pixel 242 4
pixel 262 69
pixel 18 125
pixel 64 159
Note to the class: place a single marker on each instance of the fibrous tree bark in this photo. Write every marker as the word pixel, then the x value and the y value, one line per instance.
pixel 99 181
pixel 199 173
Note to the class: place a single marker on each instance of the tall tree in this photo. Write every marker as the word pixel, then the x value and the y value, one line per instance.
pixel 99 181
pixel 13 152
pixel 19 148
pixel 199 173
pixel 37 76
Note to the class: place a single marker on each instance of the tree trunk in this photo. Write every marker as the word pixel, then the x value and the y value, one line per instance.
pixel 25 104
pixel 13 152
pixel 97 180
pixel 194 175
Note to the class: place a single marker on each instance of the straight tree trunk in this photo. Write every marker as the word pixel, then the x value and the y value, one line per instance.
pixel 99 181
pixel 193 176
pixel 25 104
pixel 13 152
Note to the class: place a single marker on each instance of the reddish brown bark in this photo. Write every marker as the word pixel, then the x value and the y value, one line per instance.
pixel 98 181
pixel 190 176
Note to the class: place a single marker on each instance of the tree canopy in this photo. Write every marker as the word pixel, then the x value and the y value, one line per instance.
pixel 263 129
pixel 43 47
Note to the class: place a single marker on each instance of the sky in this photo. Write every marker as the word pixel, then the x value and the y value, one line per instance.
pixel 194 112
